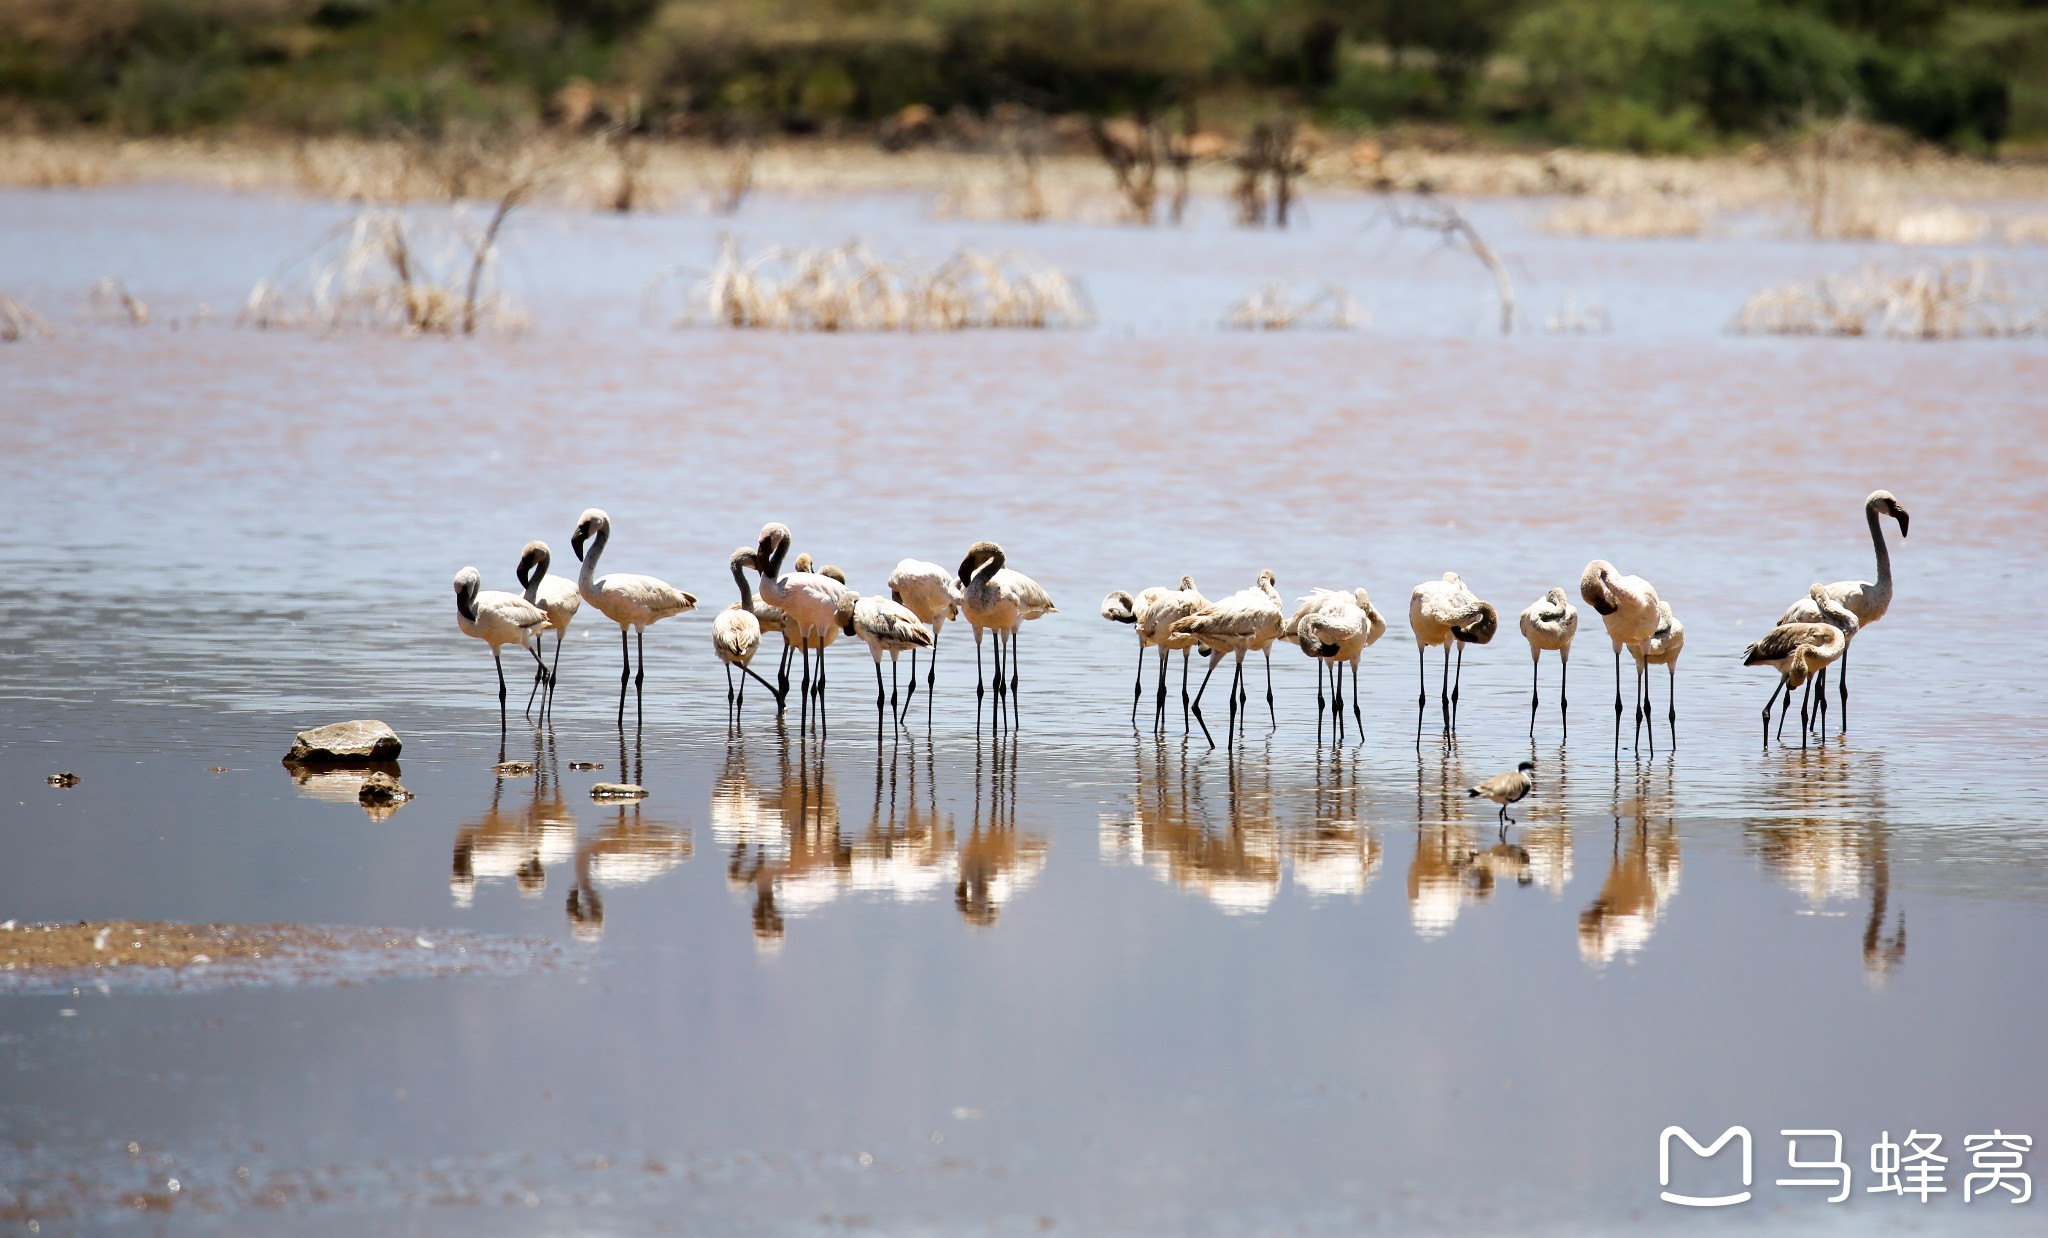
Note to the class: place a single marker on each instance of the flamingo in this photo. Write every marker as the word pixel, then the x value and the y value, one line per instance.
pixel 1662 649
pixel 1155 627
pixel 888 627
pixel 933 594
pixel 557 597
pixel 1835 615
pixel 1628 607
pixel 1246 620
pixel 631 601
pixel 736 634
pixel 1335 628
pixel 1796 651
pixel 1867 600
pixel 1550 623
pixel 1446 612
pixel 497 618
pixel 1121 607
pixel 1002 600
pixel 810 599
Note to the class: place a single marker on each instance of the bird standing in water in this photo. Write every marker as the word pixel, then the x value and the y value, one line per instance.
pixel 1504 789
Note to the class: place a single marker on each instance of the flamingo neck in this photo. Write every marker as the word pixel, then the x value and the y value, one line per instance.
pixel 1884 554
pixel 739 577
pixel 589 573
pixel 465 604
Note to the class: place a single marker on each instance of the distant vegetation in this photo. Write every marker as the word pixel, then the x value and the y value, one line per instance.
pixel 1659 75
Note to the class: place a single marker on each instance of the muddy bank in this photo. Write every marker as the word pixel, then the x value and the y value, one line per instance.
pixel 132 954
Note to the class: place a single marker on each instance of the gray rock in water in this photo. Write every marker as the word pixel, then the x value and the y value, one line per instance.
pixel 345 743
pixel 617 791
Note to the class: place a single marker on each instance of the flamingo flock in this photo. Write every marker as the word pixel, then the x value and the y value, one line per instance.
pixel 809 607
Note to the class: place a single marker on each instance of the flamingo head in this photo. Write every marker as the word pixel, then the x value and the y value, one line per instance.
pixel 771 546
pixel 1882 500
pixel 533 563
pixel 985 558
pixel 467 582
pixel 1594 588
pixel 592 524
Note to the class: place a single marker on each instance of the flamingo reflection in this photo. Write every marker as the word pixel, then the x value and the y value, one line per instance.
pixel 1835 846
pixel 521 842
pixel 1642 873
pixel 629 850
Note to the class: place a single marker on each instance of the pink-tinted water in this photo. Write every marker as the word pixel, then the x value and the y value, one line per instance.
pixel 1077 976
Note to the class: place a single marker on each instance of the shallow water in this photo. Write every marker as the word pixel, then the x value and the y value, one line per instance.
pixel 1077 976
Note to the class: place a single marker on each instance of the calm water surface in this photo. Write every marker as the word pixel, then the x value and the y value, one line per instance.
pixel 1075 977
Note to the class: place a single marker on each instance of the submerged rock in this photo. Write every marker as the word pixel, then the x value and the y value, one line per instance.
pixel 65 779
pixel 512 769
pixel 345 743
pixel 617 791
pixel 380 795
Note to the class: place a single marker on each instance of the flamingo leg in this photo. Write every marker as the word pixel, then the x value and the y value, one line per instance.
pixel 1767 711
pixel 1138 686
pixel 1185 656
pixel 1357 715
pixel 729 694
pixel 1564 657
pixel 1319 696
pixel 555 672
pixel 1443 692
pixel 1159 705
pixel 1535 669
pixel 499 663
pixel 540 672
pixel 1457 681
pixel 1617 701
pixel 1271 715
pixel 979 687
pixel 912 694
pixel 625 671
pixel 878 691
pixel 1236 686
pixel 1845 688
pixel 894 682
pixel 1197 703
pixel 1671 701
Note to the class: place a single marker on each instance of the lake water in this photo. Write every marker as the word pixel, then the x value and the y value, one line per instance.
pixel 1072 977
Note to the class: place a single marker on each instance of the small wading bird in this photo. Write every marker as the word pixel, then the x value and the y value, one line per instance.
pixel 933 594
pixel 1246 620
pixel 1867 600
pixel 1001 600
pixel 888 627
pixel 558 598
pixel 1505 789
pixel 1796 651
pixel 1550 623
pixel 1628 606
pixel 1662 649
pixel 635 602
pixel 1335 628
pixel 736 635
pixel 498 619
pixel 1445 612
pixel 810 599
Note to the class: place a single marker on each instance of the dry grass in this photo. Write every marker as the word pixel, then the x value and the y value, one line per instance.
pixel 1576 317
pixel 850 289
pixel 2026 230
pixel 110 301
pixel 381 272
pixel 19 322
pixel 1946 301
pixel 1635 217
pixel 1277 307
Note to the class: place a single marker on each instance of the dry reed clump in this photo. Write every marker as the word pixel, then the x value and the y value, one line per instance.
pixel 1277 307
pixel 2026 230
pixel 850 289
pixel 380 272
pixel 19 322
pixel 35 163
pixel 110 301
pixel 1635 217
pixel 1946 301
pixel 1576 317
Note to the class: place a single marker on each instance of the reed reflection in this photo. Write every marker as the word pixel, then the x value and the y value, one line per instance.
pixel 1643 868
pixel 630 849
pixel 1834 846
pixel 517 843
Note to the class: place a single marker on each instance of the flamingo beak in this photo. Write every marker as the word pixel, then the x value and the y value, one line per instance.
pixel 1904 520
pixel 576 541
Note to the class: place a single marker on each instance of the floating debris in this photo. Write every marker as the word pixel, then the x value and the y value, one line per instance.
pixel 54 958
pixel 65 779
pixel 586 765
pixel 617 791
pixel 217 769
pixel 512 769
pixel 1276 307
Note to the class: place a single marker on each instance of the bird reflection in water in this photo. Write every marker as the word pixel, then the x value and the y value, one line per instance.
pixel 1833 846
pixel 628 850
pixel 1642 872
pixel 787 844
pixel 1443 875
pixel 1334 853
pixel 996 861
pixel 1171 830
pixel 518 842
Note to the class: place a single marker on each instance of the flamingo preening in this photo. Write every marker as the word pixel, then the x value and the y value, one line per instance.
pixel 1865 599
pixel 1246 620
pixel 809 599
pixel 1662 649
pixel 887 626
pixel 1797 651
pixel 1156 621
pixel 629 600
pixel 736 635
pixel 933 594
pixel 1628 607
pixel 498 619
pixel 1335 628
pixel 1550 623
pixel 1446 612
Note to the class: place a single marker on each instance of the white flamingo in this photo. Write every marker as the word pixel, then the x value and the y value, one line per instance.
pixel 1798 650
pixel 998 599
pixel 1445 613
pixel 1662 649
pixel 933 594
pixel 887 626
pixel 1121 607
pixel 1628 608
pixel 1155 627
pixel 1550 623
pixel 558 598
pixel 1867 600
pixel 1335 628
pixel 810 599
pixel 631 601
pixel 736 634
pixel 496 618
pixel 1246 620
